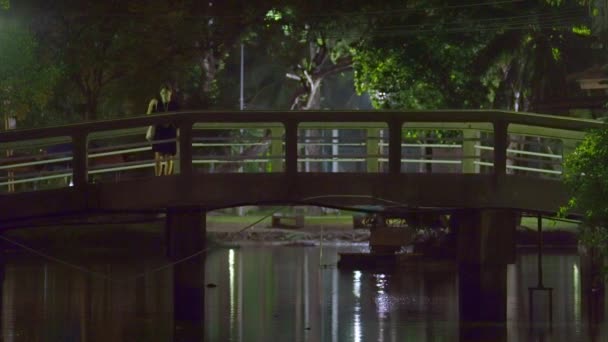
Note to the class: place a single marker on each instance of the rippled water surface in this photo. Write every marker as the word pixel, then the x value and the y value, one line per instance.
pixel 277 294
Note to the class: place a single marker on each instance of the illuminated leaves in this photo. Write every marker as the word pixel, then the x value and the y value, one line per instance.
pixel 556 53
pixel 424 73
pixel 581 30
pixel 586 175
pixel 25 83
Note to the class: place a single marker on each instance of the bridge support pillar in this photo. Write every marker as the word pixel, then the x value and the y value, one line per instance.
pixel 485 236
pixel 189 299
pixel 482 302
pixel 185 236
pixel 185 230
pixel 486 244
pixel 2 275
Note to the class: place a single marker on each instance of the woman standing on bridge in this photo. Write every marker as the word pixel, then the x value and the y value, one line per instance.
pixel 163 135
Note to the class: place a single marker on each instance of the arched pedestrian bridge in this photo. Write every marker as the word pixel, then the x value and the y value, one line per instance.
pixel 493 163
pixel 446 159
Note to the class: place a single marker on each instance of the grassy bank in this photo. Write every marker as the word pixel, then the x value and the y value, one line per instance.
pixel 339 221
pixel 346 221
pixel 549 225
pixel 149 237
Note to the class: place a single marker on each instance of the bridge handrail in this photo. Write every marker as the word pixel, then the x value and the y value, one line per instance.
pixel 191 117
pixel 394 120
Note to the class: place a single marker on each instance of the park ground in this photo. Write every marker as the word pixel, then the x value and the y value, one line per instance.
pixel 145 234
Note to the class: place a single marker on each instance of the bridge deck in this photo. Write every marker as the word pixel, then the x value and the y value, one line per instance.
pixel 335 190
pixel 384 157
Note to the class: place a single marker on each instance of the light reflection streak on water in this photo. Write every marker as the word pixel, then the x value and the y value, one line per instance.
pixel 382 299
pixel 382 303
pixel 357 284
pixel 240 297
pixel 512 294
pixel 334 305
pixel 306 298
pixel 577 292
pixel 231 277
pixel 357 310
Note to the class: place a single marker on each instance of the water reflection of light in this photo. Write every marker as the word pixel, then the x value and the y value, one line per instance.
pixel 577 293
pixel 357 312
pixel 239 298
pixel 231 275
pixel 382 300
pixel 380 282
pixel 357 284
pixel 357 323
pixel 334 305
pixel 306 295
pixel 382 303
pixel 512 294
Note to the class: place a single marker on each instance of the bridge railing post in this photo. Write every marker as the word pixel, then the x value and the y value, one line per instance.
pixel 291 148
pixel 276 149
pixel 469 151
pixel 373 151
pixel 501 138
pixel 185 148
pixel 79 159
pixel 394 146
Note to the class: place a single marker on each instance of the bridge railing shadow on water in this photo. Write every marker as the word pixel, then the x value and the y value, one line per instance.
pixel 303 142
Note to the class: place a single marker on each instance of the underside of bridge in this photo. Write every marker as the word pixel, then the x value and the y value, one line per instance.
pixel 214 191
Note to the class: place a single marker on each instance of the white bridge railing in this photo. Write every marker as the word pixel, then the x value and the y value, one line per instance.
pixel 372 142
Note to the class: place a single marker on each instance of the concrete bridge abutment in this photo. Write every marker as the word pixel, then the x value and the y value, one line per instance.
pixel 486 244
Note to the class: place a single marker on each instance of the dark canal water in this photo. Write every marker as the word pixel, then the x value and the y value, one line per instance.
pixel 277 294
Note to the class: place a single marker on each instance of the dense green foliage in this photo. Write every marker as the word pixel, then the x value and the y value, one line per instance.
pixel 116 54
pixel 311 42
pixel 444 54
pixel 26 82
pixel 105 59
pixel 586 175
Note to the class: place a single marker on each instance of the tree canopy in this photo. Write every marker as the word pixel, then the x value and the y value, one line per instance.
pixel 116 54
pixel 26 81
pixel 106 59
pixel 586 176
pixel 445 54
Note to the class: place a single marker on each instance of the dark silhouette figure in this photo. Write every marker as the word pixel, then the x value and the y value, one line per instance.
pixel 164 151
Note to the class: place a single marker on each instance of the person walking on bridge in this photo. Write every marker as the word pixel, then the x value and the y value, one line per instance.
pixel 163 135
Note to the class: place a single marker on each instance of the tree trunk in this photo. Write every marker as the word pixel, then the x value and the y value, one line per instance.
pixel 209 65
pixel 91 107
pixel 313 103
pixel 251 151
